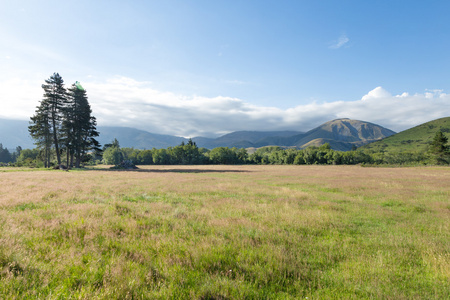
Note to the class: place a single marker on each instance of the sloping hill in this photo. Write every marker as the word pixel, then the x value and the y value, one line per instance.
pixel 413 139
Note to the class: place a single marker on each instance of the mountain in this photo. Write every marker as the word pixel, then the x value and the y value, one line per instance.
pixel 135 138
pixel 413 139
pixel 14 133
pixel 242 139
pixel 341 134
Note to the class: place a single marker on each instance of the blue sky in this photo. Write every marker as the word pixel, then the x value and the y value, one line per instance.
pixel 210 67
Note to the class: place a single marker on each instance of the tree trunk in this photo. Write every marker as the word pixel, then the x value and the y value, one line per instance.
pixel 55 141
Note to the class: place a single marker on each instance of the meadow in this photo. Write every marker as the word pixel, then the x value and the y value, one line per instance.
pixel 226 232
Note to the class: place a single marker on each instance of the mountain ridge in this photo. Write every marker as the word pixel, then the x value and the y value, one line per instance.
pixel 342 134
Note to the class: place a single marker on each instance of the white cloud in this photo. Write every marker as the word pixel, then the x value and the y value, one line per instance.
pixel 377 92
pixel 343 39
pixel 122 101
pixel 19 98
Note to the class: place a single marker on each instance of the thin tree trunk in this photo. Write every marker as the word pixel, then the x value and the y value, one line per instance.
pixel 55 141
pixel 71 160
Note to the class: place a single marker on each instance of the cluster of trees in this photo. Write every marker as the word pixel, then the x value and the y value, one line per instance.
pixel 184 154
pixel 63 124
pixel 190 154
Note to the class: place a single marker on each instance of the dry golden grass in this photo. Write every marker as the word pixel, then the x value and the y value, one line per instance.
pixel 226 231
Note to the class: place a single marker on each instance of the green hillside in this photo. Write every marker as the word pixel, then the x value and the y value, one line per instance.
pixel 413 139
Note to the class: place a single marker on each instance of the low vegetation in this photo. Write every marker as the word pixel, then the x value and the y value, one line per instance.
pixel 226 232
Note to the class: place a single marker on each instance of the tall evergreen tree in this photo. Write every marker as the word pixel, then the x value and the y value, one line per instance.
pixel 55 98
pixel 79 125
pixel 63 119
pixel 439 148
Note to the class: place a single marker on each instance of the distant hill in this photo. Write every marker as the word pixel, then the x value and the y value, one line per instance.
pixel 413 139
pixel 341 134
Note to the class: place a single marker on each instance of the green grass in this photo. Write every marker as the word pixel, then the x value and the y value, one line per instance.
pixel 415 139
pixel 222 232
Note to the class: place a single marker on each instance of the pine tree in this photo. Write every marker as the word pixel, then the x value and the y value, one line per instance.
pixel 79 126
pixel 439 148
pixel 63 119
pixel 55 98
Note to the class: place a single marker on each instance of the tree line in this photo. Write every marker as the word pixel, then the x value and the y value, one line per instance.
pixel 190 154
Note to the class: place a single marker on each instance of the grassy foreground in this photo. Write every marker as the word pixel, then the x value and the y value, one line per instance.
pixel 226 232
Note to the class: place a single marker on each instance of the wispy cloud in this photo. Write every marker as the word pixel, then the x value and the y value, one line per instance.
pixel 343 39
pixel 122 101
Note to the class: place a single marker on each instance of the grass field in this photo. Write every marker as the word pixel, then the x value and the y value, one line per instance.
pixel 226 232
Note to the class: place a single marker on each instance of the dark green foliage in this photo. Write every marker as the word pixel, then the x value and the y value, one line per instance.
pixel 40 131
pixel 79 126
pixel 439 149
pixel 5 155
pixel 55 98
pixel 63 122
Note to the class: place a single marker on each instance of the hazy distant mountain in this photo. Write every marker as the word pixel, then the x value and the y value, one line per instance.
pixel 14 133
pixel 242 139
pixel 342 134
pixel 414 139
pixel 135 138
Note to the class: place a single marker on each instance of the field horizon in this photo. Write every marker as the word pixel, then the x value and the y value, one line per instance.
pixel 226 232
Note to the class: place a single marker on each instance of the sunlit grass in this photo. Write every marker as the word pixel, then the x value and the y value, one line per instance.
pixel 226 232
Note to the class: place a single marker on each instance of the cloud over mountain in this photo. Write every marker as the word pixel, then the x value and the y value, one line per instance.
pixel 122 101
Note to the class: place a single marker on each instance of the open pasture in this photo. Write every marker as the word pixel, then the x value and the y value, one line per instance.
pixel 226 232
